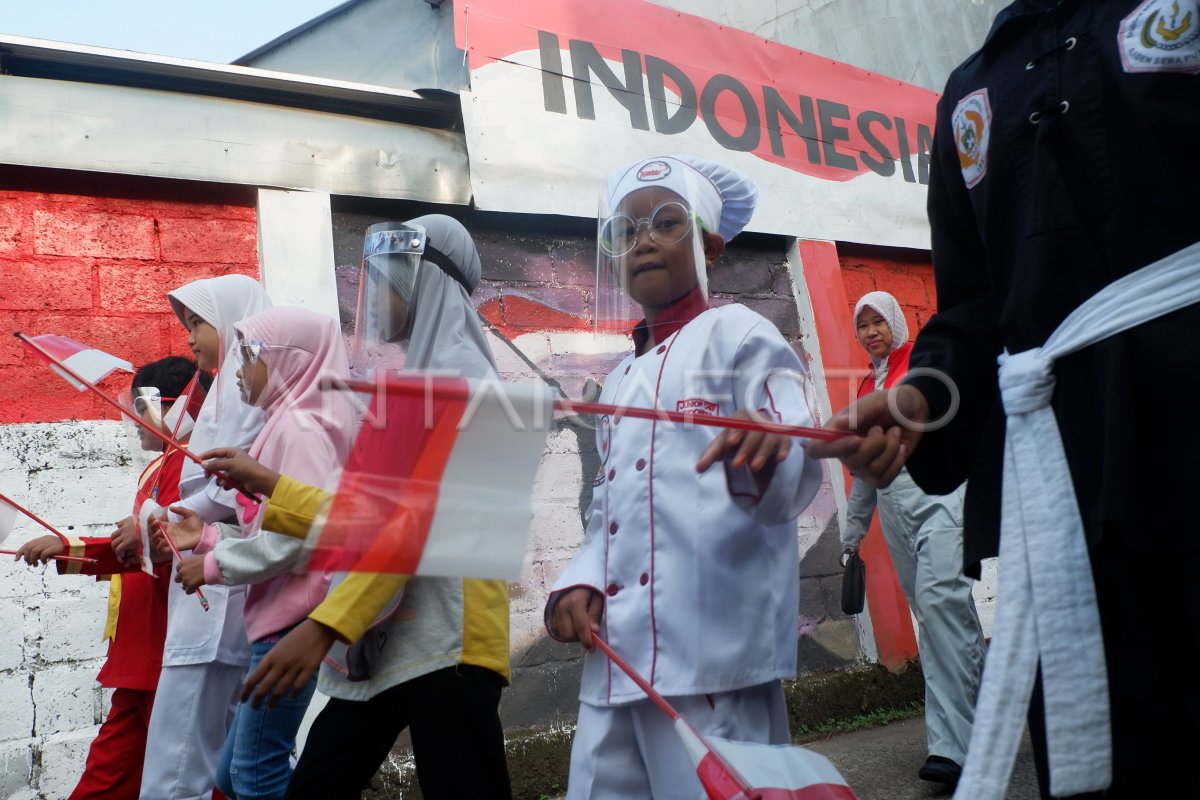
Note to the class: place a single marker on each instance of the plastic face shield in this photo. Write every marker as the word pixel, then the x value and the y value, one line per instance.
pixel 649 253
pixel 387 286
pixel 147 403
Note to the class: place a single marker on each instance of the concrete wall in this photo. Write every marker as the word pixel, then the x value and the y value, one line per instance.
pixel 915 42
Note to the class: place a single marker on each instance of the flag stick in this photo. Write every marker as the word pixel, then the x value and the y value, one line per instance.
pixel 666 708
pixel 186 399
pixel 34 517
pixel 175 550
pixel 422 384
pixel 56 558
pixel 169 441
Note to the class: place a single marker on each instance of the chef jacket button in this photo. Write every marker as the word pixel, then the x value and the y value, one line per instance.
pixel 644 579
pixel 612 528
pixel 662 348
pixel 641 464
pixel 612 473
pixel 613 589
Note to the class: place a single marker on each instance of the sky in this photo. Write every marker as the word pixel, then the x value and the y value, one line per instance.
pixel 207 30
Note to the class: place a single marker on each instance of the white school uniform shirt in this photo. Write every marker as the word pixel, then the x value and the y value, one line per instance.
pixel 196 636
pixel 700 574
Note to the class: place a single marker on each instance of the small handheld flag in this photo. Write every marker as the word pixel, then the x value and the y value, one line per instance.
pixel 81 360
pixel 731 770
pixel 75 378
pixel 8 520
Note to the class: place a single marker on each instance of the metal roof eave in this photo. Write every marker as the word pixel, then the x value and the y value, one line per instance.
pixel 43 58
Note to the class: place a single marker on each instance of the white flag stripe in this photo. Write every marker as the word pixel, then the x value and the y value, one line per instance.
pixel 8 520
pixel 778 765
pixel 695 748
pixel 93 365
pixel 178 409
pixel 485 503
pixel 147 508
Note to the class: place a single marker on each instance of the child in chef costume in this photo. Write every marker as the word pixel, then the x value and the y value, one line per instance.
pixel 690 564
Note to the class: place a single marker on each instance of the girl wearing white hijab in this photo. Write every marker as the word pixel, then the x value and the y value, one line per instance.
pixel 206 652
pixel 924 536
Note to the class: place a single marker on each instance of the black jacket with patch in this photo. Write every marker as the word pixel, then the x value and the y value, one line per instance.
pixel 1090 171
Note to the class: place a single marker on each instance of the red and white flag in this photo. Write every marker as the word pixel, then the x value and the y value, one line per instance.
pixel 142 510
pixel 87 362
pixel 8 518
pixel 180 420
pixel 777 772
pixel 439 482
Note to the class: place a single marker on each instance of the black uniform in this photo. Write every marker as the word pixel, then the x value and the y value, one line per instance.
pixel 1067 154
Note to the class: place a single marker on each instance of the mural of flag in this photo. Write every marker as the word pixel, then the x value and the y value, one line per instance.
pixel 439 482
pixel 89 363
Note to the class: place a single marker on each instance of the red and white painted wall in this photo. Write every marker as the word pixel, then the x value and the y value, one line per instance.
pixel 95 263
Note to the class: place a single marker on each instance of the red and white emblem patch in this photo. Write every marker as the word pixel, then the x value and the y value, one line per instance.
pixel 698 406
pixel 1161 36
pixel 654 171
pixel 972 122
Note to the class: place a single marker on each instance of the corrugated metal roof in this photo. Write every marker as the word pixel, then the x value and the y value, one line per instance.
pixel 42 58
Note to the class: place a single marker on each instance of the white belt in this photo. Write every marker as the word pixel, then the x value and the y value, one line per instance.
pixel 1046 605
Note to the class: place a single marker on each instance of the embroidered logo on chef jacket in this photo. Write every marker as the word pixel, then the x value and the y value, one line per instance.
pixel 1161 36
pixel 699 406
pixel 972 121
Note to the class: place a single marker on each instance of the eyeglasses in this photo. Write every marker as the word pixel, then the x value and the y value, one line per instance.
pixel 667 224
pixel 250 350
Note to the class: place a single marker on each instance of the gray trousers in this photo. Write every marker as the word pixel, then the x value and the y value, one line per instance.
pixel 924 536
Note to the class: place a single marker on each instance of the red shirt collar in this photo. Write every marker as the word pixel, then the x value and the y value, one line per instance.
pixel 677 314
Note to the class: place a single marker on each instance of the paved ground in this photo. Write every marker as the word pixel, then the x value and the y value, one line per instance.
pixel 882 763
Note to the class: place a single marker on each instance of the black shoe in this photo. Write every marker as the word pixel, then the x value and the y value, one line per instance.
pixel 940 770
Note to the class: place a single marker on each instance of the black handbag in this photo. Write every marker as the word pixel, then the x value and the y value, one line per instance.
pixel 854 583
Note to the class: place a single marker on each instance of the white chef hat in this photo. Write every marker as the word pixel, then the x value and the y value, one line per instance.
pixel 722 197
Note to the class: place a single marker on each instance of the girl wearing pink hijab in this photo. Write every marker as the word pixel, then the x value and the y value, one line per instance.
pixel 286 356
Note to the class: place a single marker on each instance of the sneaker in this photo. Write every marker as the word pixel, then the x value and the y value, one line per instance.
pixel 940 770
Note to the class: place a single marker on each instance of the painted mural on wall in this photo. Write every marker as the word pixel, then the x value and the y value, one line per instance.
pixel 535 302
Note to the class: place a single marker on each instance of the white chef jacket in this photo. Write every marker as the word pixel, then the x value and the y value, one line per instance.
pixel 700 574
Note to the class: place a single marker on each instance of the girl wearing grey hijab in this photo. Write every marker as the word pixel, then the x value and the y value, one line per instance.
pixel 437 664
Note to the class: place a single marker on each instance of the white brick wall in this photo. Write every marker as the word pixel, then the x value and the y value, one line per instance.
pixel 70 474
pixel 50 625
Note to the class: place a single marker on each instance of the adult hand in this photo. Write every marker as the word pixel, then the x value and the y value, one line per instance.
pixel 289 665
pixel 40 550
pixel 760 450
pixel 233 466
pixel 886 428
pixel 185 534
pixel 190 573
pixel 125 541
pixel 577 615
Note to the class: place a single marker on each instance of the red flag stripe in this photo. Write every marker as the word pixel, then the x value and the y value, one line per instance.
pixel 417 512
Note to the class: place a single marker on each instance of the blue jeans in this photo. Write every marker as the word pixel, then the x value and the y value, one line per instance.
pixel 256 760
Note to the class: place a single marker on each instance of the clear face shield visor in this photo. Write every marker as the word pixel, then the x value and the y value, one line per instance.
pixel 146 403
pixel 649 254
pixel 391 263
